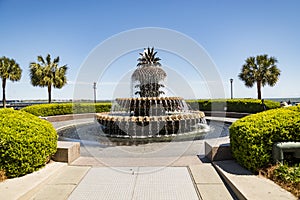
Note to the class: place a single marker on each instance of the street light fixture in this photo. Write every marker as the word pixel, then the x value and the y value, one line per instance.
pixel 231 81
pixel 94 87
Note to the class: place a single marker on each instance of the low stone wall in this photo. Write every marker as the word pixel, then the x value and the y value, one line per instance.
pixel 59 118
pixel 67 151
pixel 225 114
pixel 216 150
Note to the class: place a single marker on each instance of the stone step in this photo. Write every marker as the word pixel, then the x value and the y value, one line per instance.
pixel 216 150
pixel 67 151
pixel 19 188
pixel 245 185
pixel 208 182
pixel 60 186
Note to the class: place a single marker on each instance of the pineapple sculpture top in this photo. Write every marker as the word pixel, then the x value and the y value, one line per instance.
pixel 148 76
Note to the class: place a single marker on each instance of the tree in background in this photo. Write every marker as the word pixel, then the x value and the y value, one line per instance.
pixel 47 73
pixel 9 70
pixel 261 70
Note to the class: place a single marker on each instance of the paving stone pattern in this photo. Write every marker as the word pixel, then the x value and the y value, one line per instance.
pixel 136 183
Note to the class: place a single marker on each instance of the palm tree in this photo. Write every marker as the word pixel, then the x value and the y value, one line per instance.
pixel 149 74
pixel 47 73
pixel 10 70
pixel 261 70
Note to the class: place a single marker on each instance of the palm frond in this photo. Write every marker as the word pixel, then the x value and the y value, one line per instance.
pixel 48 59
pixel 41 59
pixel 56 60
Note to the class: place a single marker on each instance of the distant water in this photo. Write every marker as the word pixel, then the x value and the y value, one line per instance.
pixel 292 100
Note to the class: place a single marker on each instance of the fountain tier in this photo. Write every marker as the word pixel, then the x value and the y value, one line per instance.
pixel 151 106
pixel 150 117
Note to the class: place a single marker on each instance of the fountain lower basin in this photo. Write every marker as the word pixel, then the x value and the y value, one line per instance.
pixel 118 124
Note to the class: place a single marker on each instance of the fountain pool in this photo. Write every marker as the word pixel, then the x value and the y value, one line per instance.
pixel 93 133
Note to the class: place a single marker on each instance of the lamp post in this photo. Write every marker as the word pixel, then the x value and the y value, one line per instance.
pixel 94 87
pixel 231 90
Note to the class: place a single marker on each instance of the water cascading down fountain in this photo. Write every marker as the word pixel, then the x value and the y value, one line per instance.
pixel 150 114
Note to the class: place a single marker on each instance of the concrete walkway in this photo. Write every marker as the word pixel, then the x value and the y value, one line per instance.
pixel 151 171
pixel 136 183
pixel 59 182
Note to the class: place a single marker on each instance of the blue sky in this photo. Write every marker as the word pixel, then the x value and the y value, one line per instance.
pixel 229 31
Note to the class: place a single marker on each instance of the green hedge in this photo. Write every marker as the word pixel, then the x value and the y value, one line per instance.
pixel 252 137
pixel 233 105
pixel 26 142
pixel 66 108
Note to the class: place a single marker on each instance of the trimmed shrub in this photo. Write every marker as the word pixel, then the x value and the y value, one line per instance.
pixel 45 110
pixel 26 142
pixel 233 105
pixel 252 137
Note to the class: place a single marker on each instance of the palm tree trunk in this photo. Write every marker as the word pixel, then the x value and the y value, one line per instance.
pixel 49 93
pixel 3 90
pixel 259 89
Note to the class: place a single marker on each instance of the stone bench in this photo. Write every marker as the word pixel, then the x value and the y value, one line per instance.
pixel 67 151
pixel 285 147
pixel 217 150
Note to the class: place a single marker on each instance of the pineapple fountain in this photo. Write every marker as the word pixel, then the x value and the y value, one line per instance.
pixel 150 114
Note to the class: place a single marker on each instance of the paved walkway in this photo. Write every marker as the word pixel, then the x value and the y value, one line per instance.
pixel 58 182
pixel 136 183
pixel 151 171
pixel 63 124
pixel 148 171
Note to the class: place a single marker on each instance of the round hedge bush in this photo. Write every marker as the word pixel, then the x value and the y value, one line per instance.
pixel 26 142
pixel 252 137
